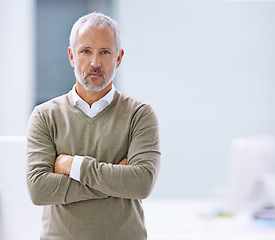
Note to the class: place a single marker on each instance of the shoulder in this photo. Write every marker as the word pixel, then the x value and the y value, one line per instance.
pixel 132 103
pixel 135 107
pixel 52 108
pixel 55 103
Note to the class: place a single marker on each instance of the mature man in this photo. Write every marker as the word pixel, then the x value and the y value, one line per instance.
pixel 93 154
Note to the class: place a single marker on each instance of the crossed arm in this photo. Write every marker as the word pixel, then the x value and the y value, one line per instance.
pixel 47 175
pixel 63 164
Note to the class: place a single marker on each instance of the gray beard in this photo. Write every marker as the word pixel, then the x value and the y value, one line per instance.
pixel 87 86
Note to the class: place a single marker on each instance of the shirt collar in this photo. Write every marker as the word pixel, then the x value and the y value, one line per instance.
pixel 108 97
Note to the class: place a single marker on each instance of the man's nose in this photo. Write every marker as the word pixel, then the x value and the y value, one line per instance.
pixel 95 61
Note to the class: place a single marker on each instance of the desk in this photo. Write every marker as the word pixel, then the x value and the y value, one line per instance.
pixel 196 220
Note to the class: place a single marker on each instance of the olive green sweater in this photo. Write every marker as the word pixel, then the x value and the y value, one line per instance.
pixel 106 203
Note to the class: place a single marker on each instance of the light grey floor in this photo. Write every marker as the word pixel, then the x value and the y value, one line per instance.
pixel 198 220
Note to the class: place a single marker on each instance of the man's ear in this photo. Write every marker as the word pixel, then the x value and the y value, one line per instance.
pixel 71 57
pixel 119 58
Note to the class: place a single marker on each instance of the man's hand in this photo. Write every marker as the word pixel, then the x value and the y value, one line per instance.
pixel 63 164
pixel 123 162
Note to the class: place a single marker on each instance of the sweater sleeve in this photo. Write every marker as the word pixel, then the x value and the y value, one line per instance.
pixel 45 187
pixel 135 180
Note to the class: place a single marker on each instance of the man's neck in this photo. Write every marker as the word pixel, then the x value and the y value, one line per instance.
pixel 91 97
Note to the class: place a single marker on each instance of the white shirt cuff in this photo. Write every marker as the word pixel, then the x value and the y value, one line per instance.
pixel 75 169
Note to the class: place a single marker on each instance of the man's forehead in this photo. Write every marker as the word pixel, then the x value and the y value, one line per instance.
pixel 85 28
pixel 86 36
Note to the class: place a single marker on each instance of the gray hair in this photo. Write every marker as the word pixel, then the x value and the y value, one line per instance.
pixel 98 20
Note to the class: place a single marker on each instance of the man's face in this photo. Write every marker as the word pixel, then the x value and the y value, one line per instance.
pixel 95 58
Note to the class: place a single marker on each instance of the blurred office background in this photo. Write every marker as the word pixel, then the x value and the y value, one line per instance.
pixel 206 66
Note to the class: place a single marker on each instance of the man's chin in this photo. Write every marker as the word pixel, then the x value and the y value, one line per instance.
pixel 95 88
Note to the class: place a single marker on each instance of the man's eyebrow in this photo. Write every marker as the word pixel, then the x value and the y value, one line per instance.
pixel 84 47
pixel 106 48
pixel 101 49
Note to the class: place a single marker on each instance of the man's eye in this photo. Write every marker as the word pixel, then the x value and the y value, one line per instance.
pixel 105 52
pixel 85 51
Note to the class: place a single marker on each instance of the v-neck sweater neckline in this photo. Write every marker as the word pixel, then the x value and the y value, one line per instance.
pixel 101 113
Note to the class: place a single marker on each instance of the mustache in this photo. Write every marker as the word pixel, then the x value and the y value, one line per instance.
pixel 93 70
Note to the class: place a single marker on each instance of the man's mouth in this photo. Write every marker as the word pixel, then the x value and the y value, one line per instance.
pixel 94 73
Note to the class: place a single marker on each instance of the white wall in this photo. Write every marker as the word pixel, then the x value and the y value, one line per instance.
pixel 207 67
pixel 16 65
pixel 19 219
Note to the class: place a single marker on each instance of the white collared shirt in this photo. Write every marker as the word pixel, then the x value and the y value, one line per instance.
pixel 97 106
pixel 92 111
